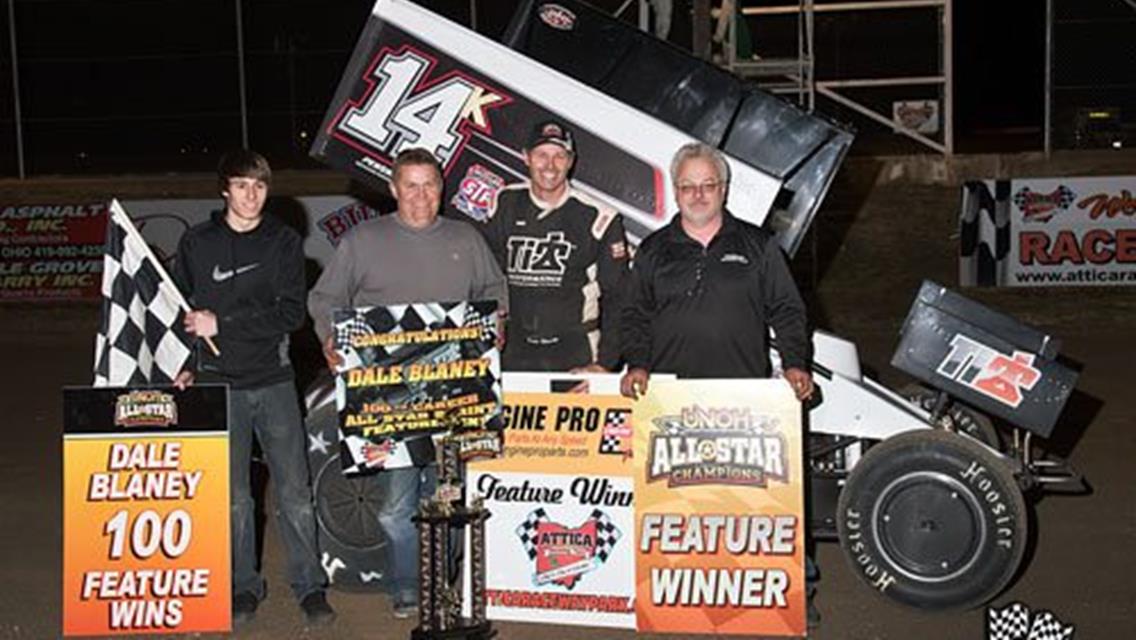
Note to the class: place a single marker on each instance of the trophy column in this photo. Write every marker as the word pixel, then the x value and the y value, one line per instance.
pixel 439 517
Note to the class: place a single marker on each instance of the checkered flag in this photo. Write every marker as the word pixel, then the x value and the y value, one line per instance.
pixel 141 339
pixel 1046 626
pixel 607 534
pixel 526 531
pixel 616 432
pixel 1007 623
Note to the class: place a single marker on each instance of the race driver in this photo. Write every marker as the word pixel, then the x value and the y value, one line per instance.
pixel 565 260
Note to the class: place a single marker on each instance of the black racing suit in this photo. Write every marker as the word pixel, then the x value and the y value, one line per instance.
pixel 566 265
pixel 704 312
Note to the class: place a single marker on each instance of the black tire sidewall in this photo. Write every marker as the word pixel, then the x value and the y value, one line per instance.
pixel 349 567
pixel 998 500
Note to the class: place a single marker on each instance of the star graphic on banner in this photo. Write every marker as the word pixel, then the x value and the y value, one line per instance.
pixel 316 442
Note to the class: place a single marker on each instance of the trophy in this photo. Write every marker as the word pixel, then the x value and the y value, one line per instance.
pixel 443 515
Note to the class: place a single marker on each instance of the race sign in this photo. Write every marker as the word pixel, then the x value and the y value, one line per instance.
pixel 1044 232
pixel 410 370
pixel 145 510
pixel 718 508
pixel 559 547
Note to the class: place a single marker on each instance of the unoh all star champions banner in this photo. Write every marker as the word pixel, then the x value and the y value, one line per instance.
pixel 718 508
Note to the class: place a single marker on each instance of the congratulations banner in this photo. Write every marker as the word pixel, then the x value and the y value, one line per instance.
pixel 145 510
pixel 408 370
pixel 559 544
pixel 719 508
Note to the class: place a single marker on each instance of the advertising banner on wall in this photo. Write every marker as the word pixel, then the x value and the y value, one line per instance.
pixel 145 510
pixel 559 543
pixel 719 508
pixel 1035 232
pixel 51 251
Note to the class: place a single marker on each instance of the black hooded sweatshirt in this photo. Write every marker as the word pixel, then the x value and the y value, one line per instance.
pixel 254 283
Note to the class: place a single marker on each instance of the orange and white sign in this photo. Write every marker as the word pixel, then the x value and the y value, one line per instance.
pixel 145 510
pixel 719 526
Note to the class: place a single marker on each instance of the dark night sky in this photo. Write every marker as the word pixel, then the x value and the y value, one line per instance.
pixel 132 75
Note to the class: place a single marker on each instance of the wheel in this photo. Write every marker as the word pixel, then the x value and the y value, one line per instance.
pixel 958 417
pixel 351 541
pixel 933 520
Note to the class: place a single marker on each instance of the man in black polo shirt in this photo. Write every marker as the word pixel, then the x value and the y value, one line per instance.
pixel 707 287
pixel 704 292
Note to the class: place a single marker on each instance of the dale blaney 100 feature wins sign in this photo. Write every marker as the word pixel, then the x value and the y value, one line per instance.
pixel 145 510
pixel 414 369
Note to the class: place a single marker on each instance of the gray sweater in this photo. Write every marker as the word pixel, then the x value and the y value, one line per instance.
pixel 383 261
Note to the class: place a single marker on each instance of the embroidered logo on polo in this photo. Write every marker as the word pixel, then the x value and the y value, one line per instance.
pixel 538 262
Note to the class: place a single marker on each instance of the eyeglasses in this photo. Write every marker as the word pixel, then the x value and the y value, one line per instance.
pixel 687 190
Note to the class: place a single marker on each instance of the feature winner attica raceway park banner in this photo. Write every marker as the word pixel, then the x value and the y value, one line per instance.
pixel 1034 232
pixel 408 370
pixel 560 539
pixel 145 510
pixel 719 508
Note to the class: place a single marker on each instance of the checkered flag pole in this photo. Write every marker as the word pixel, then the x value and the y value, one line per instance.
pixel 140 340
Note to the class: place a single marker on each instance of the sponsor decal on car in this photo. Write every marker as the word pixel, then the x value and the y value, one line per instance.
pixel 988 371
pixel 557 17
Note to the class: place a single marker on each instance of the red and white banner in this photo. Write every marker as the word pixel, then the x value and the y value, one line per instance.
pixel 51 251
pixel 1049 232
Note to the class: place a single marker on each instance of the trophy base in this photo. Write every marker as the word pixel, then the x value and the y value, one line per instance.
pixel 482 631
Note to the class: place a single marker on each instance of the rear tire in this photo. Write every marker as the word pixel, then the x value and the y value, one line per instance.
pixel 352 544
pixel 933 520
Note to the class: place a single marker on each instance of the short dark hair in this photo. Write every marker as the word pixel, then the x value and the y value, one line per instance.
pixel 242 164
pixel 414 156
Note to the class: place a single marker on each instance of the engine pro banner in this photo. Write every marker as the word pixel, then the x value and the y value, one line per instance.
pixel 146 510
pixel 719 508
pixel 411 369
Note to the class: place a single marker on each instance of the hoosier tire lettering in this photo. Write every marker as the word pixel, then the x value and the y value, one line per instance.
pixel 933 520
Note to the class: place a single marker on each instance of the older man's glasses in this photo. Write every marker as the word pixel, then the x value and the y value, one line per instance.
pixel 688 189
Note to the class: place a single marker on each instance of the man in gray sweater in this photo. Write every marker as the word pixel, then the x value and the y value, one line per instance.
pixel 411 256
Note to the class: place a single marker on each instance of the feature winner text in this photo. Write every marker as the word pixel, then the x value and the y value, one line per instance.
pixel 710 535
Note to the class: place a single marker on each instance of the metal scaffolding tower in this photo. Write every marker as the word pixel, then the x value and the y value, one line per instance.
pixel 796 75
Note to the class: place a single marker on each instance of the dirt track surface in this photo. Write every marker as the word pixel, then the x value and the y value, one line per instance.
pixel 1080 566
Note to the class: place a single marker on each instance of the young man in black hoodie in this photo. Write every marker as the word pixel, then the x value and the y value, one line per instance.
pixel 243 273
